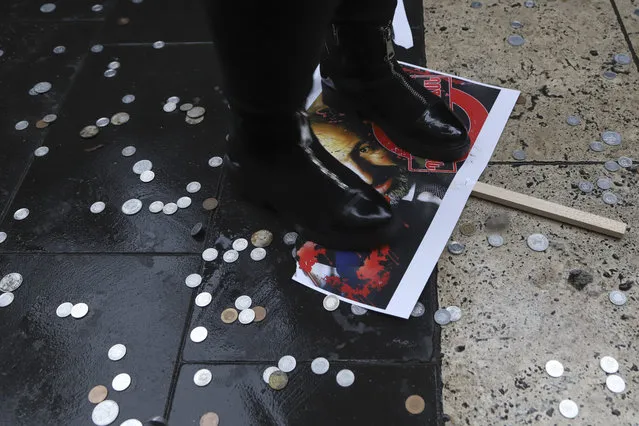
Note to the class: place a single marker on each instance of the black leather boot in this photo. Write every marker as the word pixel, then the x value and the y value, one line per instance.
pixel 360 74
pixel 279 163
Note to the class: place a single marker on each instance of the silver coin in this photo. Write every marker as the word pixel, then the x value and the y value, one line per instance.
pixel 573 120
pixel 142 166
pixel 49 118
pixel 42 87
pixel 185 107
pixel 121 382
pixel 455 313
pixel 89 131
pixel 159 44
pixel 174 99
pixel 320 365
pixel 97 207
pixel 202 377
pixel 116 352
pixel 418 310
pixel 102 122
pixel 625 162
pixel 495 240
pixel 258 254
pixel 442 317
pixel 190 120
pixel 609 198
pixel 156 207
pixel 147 176
pixel 64 309
pixel 3 237
pixel 113 65
pixel 516 25
pixel 455 247
pixel 611 138
pixel 290 238
pixel 615 383
pixel 128 151
pixel 183 202
pixel 120 118
pixel 79 310
pixel 358 310
pixel 586 186
pixel 515 40
pixel 41 151
pixel 215 161
pixel 554 368
pixel 596 146
pixel 345 378
pixel 287 363
pixel 246 316
pixel 32 92
pixel 198 334
pixel 21 125
pixel 330 302
pixel 604 183
pixel 622 59
pixel 267 373
pixel 169 208
pixel 243 302
pixel 6 299
pixel 196 112
pixel 47 8
pixel 97 48
pixel 529 4
pixel 209 254
pixel 609 364
pixel 230 256
pixel 611 166
pixel 519 154
pixel 132 206
pixel 476 4
pixel 203 299
pixel 537 242
pixel 617 297
pixel 105 413
pixel 193 280
pixel 169 107
pixel 568 409
pixel 609 75
pixel 240 244
pixel 11 282
pixel 110 73
pixel 1 53
pixel 97 8
pixel 21 214
pixel 136 1
pixel 127 99
pixel 131 422
pixel 193 187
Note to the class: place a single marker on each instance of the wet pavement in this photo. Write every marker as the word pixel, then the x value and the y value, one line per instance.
pixel 130 269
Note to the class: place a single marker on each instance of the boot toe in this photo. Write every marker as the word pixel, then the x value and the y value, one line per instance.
pixel 440 122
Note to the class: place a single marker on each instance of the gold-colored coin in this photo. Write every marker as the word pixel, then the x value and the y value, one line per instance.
pixel 209 204
pixel 123 20
pixel 278 380
pixel 260 313
pixel 98 394
pixel 229 315
pixel 41 124
pixel 415 404
pixel 262 238
pixel 210 419
pixel 468 228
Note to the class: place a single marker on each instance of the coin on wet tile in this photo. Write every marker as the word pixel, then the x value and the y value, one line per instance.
pixel 215 161
pixel 243 302
pixel 186 106
pixel 127 99
pixel 287 363
pixel 147 176
pixel 519 154
pixel 611 138
pixel 121 382
pixel 132 206
pixel 98 394
pixel 609 364
pixel 568 409
pixel 609 198
pixel 573 120
pixel 193 187
pixel 611 166
pixel 455 313
pixel 260 313
pixel 230 256
pixel 415 404
pixel 516 25
pixel 278 380
pixel 40 124
pixel 240 244
pixel 42 87
pixel 229 315
pixel 468 228
pixel 49 118
pixel 193 280
pixel 3 237
pixel 202 377
pixel 88 132
pixel 169 208
pixel 515 40
pixel 184 202
pixel 169 107
pixel 290 238
pixel 97 48
pixel 142 166
pixel 596 146
pixel 330 302
pixel 609 75
pixel 79 310
pixel 64 309
pixel 21 125
pixel 246 316
pixel 262 238
pixel 617 297
pixel 267 373
pixel 6 299
pixel 585 186
pixel 123 20
pixel 625 162
pixel 196 112
pixel 97 8
pixel 128 151
pixel 105 413
pixel 554 368
pixel 615 383
pixel 418 310
pixel 345 378
pixel 158 44
pixel 198 334
pixel 358 310
pixel 210 419
pixel 11 281
pixel 110 73
pixel 156 206
pixel 455 247
pixel 190 120
pixel 59 49
pixel 604 183
pixel 117 352
pixel 258 253
pixel 209 254
pixel 622 59
pixel 209 204
pixel 197 230
pixel 537 242
pixel 21 214
pixel 120 118
pixel 442 316
pixel 320 365
pixel 495 240
pixel 203 299
pixel 47 8
pixel 114 65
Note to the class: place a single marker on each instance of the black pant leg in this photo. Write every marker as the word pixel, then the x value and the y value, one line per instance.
pixel 377 12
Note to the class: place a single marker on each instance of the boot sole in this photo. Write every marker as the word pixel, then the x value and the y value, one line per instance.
pixel 333 99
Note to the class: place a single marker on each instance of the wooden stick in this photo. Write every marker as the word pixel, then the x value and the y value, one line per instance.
pixel 550 210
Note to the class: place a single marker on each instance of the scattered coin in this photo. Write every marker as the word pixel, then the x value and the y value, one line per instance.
pixel 609 198
pixel 202 377
pixel 210 419
pixel 142 166
pixel 418 310
pixel 89 131
pixel 468 228
pixel 604 183
pixel 209 204
pixel 573 120
pixel 625 162
pixel 110 73
pixel 615 383
pixel 184 202
pixel 330 302
pixel 49 118
pixel 442 317
pixel 64 310
pixel 290 238
pixel 345 378
pixel 537 242
pixel 622 59
pixel 11 282
pixel 127 99
pixel 198 334
pixel 287 363
pixel 97 8
pixel 3 237
pixel 190 120
pixel 193 187
pixel 42 87
pixel 243 302
pixel 147 176
pixel 193 280
pixel 516 25
pixel 278 380
pixel 123 21
pixel 455 313
pixel 215 161
pixel 568 409
pixel 156 207
pixel 240 244
pixel 203 299
pixel 611 166
pixel 554 368
pixel 586 186
pixel 102 122
pixel 519 154
pixel 262 238
pixel 609 75
pixel 117 352
pixel 617 297
pixel 47 8
pixel 596 146
pixel 159 44
pixel 258 253
pixel 132 206
pixel 611 138
pixel 21 214
pixel 320 365
pixel 98 394
pixel 105 413
pixel 169 208
pixel 267 373
pixel 515 40
pixel 79 310
pixel 475 4
pixel 415 404
pixel 529 4
pixel 174 99
pixel 197 230
pixel 495 240
pixel 97 207
pixel 40 124
pixel 609 364
pixel 169 107
pixel 260 313
pixel 121 382
pixel 358 310
pixel 196 112
pixel 229 315
pixel 97 48
pixel 6 299
pixel 455 247
pixel 209 254
pixel 246 316
pixel 120 118
pixel 21 125
pixel 230 256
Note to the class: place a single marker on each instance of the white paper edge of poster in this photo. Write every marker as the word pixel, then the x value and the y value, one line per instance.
pixel 422 264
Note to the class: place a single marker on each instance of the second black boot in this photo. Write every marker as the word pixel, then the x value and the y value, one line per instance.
pixel 360 74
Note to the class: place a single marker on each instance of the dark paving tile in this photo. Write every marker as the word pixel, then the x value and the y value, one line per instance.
pixel 239 396
pixel 296 322
pixel 65 10
pixel 49 364
pixel 28 59
pixel 60 187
